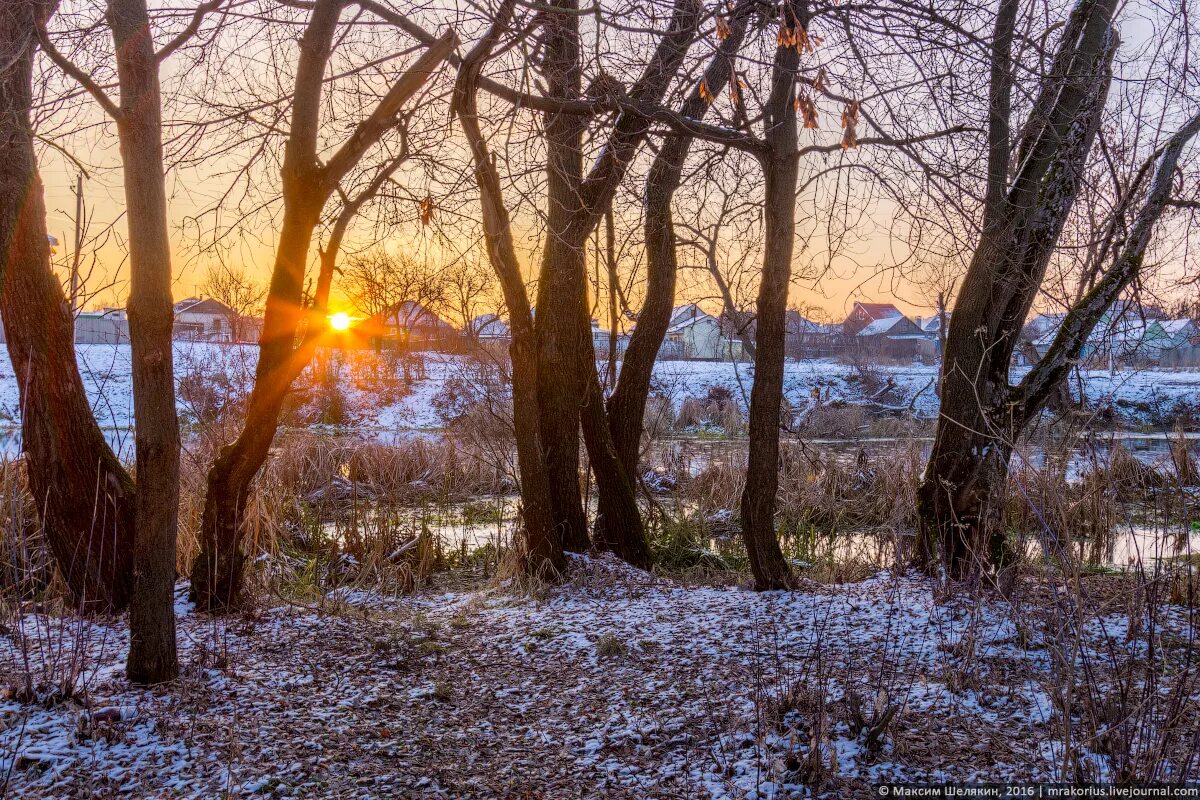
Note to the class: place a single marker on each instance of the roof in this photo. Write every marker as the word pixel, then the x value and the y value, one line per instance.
pixel 1176 326
pixel 932 324
pixel 686 316
pixel 195 305
pixel 1124 334
pixel 878 311
pixel 490 326
pixel 411 314
pixel 1044 322
pixel 797 323
pixel 880 326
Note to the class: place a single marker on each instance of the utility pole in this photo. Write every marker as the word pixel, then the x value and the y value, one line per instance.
pixel 78 247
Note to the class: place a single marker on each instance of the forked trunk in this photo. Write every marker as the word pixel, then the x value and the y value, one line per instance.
pixel 84 496
pixel 217 572
pixel 964 494
pixel 543 547
pixel 961 496
pixel 627 405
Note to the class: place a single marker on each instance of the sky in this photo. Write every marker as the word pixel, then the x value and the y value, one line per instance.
pixel 856 274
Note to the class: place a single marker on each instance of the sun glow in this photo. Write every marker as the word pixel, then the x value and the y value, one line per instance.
pixel 340 321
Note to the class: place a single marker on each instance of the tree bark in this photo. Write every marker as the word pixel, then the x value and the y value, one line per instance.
pixel 562 324
pixel 619 525
pixel 84 496
pixel 152 656
pixel 780 168
pixel 959 529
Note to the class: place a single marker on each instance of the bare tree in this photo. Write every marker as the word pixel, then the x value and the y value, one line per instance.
pixel 1031 189
pixel 138 119
pixel 566 383
pixel 469 289
pixel 309 180
pixel 380 284
pixel 627 405
pixel 92 542
pixel 241 295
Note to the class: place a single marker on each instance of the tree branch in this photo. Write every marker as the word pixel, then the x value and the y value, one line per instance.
pixel 382 117
pixel 202 10
pixel 1083 317
pixel 79 76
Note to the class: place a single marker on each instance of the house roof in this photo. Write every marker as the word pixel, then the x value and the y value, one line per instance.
pixel 796 323
pixel 1174 327
pixel 196 305
pixel 878 311
pixel 880 326
pixel 932 324
pixel 411 314
pixel 686 316
pixel 1125 334
pixel 490 326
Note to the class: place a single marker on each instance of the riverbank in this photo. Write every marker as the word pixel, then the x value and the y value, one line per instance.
pixel 617 684
pixel 383 396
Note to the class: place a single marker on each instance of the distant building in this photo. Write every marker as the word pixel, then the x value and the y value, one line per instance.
pixel 1182 346
pixel 603 340
pixel 107 326
pixel 882 329
pixel 930 347
pixel 490 328
pixel 1118 339
pixel 805 338
pixel 693 333
pixel 205 320
pixel 410 325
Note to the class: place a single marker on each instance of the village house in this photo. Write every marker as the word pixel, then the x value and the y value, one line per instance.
pixel 1133 337
pixel 106 326
pixel 693 333
pixel 198 319
pixel 881 329
pixel 490 328
pixel 1182 345
pixel 409 325
pixel 805 338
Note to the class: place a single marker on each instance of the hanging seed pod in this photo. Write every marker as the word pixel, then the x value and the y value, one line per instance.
pixel 850 125
pixel 723 29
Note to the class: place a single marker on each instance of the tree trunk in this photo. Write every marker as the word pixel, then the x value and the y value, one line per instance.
pixel 618 527
pixel 627 405
pixel 958 515
pixel 562 324
pixel 965 488
pixel 84 496
pixel 152 657
pixel 780 168
pixel 770 568
pixel 218 569
pixel 543 547
pixel 308 181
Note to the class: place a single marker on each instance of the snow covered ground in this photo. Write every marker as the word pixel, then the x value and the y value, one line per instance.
pixel 616 685
pixel 106 375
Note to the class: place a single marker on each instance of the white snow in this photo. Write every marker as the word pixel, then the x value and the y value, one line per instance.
pixel 717 692
pixel 106 375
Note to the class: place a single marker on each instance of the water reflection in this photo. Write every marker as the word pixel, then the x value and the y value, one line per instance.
pixel 119 439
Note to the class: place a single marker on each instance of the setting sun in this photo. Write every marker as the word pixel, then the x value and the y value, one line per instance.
pixel 340 321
